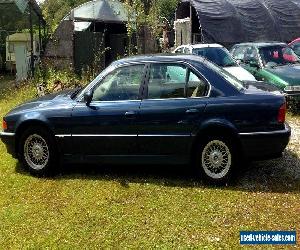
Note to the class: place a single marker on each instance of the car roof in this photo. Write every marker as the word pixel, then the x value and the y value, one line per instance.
pixel 207 45
pixel 201 45
pixel 159 58
pixel 295 40
pixel 260 44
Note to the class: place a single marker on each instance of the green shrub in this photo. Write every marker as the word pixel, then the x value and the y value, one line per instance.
pixel 49 79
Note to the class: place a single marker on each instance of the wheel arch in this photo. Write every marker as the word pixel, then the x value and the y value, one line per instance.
pixel 24 125
pixel 215 128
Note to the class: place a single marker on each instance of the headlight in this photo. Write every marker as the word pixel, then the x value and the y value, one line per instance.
pixel 292 88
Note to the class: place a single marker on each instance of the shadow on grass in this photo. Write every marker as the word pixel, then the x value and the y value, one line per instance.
pixel 278 176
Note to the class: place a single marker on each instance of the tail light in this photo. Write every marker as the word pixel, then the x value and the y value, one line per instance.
pixel 281 113
pixel 4 125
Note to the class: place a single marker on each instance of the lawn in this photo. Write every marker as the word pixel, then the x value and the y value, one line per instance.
pixel 143 207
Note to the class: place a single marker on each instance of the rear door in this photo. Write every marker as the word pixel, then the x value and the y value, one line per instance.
pixel 174 102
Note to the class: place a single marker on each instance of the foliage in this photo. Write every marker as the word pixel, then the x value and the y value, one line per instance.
pixel 148 15
pixel 167 8
pixel 11 19
pixel 55 10
pixel 49 79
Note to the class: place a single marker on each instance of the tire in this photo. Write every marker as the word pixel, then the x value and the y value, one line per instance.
pixel 216 160
pixel 37 151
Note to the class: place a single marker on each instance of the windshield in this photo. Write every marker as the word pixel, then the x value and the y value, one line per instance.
pixel 219 56
pixel 278 55
pixel 227 76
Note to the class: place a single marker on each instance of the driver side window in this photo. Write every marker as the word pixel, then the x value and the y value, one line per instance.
pixel 121 84
pixel 250 55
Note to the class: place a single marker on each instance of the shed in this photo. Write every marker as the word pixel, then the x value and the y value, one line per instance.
pixel 18 39
pixel 235 21
pixel 93 32
pixel 17 15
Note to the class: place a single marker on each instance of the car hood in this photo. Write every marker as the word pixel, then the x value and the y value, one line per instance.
pixel 240 73
pixel 256 87
pixel 61 99
pixel 288 73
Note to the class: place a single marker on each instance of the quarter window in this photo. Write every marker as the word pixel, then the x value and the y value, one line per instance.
pixel 121 84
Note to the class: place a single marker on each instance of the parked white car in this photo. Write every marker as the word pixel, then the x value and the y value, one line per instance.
pixel 218 55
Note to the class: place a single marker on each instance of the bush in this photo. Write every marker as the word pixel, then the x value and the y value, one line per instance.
pixel 49 79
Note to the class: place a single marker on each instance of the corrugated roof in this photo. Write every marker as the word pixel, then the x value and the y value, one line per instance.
pixel 100 10
pixel 232 21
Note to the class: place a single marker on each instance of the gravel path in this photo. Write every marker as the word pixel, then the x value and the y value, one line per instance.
pixel 280 174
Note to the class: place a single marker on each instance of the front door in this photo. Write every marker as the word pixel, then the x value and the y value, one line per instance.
pixel 175 101
pixel 106 127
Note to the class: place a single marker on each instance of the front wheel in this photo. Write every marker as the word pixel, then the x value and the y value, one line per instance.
pixel 37 151
pixel 216 158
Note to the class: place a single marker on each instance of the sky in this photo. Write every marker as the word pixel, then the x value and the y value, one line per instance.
pixel 40 1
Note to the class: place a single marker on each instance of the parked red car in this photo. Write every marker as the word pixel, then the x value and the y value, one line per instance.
pixel 295 45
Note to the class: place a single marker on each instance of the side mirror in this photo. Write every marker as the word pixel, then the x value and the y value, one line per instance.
pixel 254 64
pixel 87 97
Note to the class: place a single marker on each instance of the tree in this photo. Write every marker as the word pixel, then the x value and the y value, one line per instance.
pixel 55 10
pixel 147 22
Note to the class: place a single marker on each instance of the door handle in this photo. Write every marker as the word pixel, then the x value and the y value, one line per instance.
pixel 130 114
pixel 192 111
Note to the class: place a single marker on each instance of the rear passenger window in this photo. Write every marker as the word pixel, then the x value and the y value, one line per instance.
pixel 174 81
pixel 167 81
pixel 196 87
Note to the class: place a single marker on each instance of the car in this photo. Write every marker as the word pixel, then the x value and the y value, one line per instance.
pixel 219 55
pixel 272 62
pixel 295 46
pixel 160 109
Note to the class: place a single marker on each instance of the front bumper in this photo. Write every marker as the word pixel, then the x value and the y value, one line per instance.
pixel 265 145
pixel 9 139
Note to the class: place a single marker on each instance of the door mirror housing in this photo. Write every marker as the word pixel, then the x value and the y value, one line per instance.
pixel 87 97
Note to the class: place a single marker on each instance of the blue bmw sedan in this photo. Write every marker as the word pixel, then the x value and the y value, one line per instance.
pixel 161 109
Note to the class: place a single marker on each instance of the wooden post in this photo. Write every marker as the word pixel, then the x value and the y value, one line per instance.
pixel 40 35
pixel 191 28
pixel 31 37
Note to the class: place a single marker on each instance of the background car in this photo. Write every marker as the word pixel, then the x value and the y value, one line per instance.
pixel 272 62
pixel 295 46
pixel 150 110
pixel 219 55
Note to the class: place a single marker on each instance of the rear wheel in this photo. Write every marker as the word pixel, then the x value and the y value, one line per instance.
pixel 216 159
pixel 37 150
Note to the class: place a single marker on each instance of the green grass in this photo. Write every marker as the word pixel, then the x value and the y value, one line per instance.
pixel 142 207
